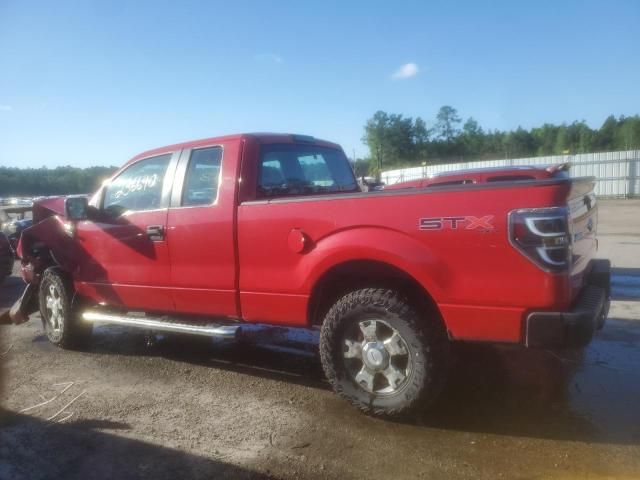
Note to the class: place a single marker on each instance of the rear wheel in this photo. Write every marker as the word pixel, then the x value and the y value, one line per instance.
pixel 383 354
pixel 61 322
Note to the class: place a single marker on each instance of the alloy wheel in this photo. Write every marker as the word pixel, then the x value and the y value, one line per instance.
pixel 377 357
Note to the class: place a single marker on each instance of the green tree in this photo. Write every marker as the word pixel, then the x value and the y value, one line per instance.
pixel 545 139
pixel 605 138
pixel 421 136
pixel 562 143
pixel 579 137
pixel 472 137
pixel 395 140
pixel 627 136
pixel 400 138
pixel 391 140
pixel 361 167
pixel 376 138
pixel 56 181
pixel 447 122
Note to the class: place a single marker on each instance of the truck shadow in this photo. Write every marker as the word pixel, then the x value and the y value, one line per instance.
pixel 589 395
pixel 301 367
pixel 512 392
pixel 78 450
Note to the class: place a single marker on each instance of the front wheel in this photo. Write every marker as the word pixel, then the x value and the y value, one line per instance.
pixel 383 354
pixel 61 322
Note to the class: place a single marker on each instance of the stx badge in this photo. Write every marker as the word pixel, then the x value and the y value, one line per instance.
pixel 454 223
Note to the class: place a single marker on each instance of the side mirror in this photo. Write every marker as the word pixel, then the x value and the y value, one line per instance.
pixel 76 208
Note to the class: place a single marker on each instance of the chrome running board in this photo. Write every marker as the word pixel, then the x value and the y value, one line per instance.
pixel 162 324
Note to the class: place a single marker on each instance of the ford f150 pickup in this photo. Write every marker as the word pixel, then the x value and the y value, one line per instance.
pixel 206 236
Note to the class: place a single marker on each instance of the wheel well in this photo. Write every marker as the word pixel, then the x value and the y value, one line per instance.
pixel 356 274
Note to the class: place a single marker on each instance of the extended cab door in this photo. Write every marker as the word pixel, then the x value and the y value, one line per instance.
pixel 276 236
pixel 123 252
pixel 201 230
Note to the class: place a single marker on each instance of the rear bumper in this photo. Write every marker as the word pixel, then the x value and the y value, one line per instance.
pixel 575 328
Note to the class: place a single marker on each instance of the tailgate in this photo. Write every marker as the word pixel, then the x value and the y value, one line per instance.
pixel 583 226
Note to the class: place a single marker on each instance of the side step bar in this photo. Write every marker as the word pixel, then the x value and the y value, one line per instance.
pixel 163 324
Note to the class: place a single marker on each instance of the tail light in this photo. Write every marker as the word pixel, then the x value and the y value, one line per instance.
pixel 542 235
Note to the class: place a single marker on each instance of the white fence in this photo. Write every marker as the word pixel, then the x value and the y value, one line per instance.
pixel 618 173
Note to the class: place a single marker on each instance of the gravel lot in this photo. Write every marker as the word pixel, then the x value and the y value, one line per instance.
pixel 184 408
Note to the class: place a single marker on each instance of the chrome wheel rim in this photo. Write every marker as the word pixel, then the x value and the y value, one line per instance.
pixel 53 307
pixel 377 357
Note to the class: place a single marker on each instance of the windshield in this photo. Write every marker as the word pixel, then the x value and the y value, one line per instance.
pixel 294 169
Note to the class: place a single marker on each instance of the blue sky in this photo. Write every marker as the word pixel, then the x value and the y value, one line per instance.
pixel 93 83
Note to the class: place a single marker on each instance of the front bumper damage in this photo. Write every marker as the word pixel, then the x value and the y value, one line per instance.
pixel 575 328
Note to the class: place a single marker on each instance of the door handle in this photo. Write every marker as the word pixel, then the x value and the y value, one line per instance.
pixel 155 233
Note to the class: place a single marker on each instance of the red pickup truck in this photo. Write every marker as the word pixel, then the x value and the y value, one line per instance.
pixel 206 236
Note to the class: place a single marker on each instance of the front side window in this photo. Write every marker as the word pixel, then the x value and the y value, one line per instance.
pixel 202 178
pixel 293 169
pixel 137 188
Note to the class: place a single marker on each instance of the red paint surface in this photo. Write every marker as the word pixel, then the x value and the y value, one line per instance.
pixel 239 257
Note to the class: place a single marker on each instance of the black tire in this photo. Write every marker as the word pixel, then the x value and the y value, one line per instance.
pixel 424 341
pixel 60 320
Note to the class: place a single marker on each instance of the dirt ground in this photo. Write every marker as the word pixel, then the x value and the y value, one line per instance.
pixel 187 408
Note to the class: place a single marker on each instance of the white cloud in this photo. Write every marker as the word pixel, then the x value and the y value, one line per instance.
pixel 269 57
pixel 407 70
pixel 5 108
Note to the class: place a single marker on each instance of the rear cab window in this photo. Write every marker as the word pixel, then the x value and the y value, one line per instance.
pixel 300 169
pixel 202 178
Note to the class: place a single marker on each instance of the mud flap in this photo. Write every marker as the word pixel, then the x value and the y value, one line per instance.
pixel 20 311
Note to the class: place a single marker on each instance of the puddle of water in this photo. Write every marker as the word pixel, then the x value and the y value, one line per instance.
pixel 606 386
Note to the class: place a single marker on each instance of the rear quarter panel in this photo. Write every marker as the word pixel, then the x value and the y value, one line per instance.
pixel 480 283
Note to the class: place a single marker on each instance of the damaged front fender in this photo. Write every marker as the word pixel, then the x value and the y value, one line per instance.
pixel 48 242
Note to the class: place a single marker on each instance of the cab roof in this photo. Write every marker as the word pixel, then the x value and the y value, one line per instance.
pixel 261 137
